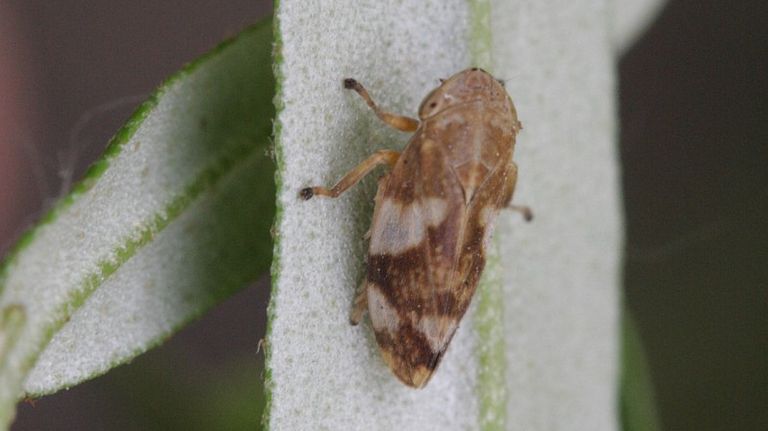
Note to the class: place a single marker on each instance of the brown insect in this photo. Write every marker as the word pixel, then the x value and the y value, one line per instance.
pixel 433 217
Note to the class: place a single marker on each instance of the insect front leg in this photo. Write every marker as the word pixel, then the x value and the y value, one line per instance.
pixel 399 122
pixel 388 157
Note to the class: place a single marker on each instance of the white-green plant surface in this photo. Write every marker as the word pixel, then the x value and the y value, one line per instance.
pixel 172 219
pixel 176 216
pixel 540 347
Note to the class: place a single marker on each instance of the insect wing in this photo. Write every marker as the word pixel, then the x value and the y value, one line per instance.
pixel 413 250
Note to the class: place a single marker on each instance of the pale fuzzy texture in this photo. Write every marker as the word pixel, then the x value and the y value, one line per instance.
pixel 325 373
pixel 147 180
pixel 560 273
pixel 174 278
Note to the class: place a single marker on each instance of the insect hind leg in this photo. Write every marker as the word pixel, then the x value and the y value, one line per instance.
pixel 510 190
pixel 524 210
pixel 360 304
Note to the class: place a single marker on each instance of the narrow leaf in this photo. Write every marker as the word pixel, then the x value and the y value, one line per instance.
pixel 558 278
pixel 172 219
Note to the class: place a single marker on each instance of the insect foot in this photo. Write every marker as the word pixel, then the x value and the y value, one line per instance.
pixel 524 210
pixel 306 193
pixel 350 83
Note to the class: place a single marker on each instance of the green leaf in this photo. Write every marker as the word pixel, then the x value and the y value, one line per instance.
pixel 539 349
pixel 174 218
pixel 637 403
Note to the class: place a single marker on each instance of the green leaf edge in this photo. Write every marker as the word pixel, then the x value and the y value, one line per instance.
pixel 277 61
pixel 208 178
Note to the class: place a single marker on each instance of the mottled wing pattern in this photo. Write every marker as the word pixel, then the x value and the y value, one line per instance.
pixel 412 249
pixel 427 250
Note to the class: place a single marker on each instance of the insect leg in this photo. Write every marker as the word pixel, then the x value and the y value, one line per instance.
pixel 524 210
pixel 379 157
pixel 509 191
pixel 406 124
pixel 360 305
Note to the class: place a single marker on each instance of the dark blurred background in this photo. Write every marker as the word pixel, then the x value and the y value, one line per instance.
pixel 694 144
pixel 694 147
